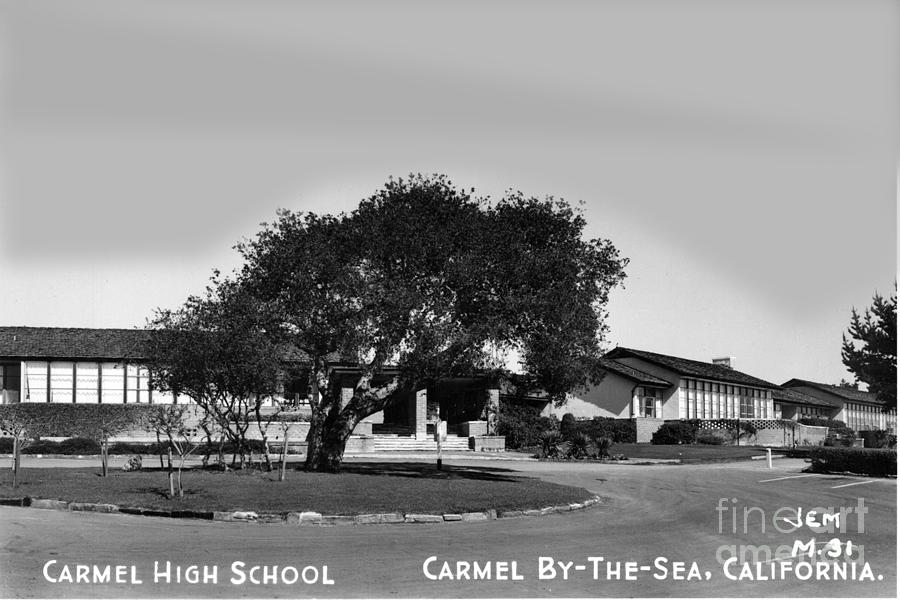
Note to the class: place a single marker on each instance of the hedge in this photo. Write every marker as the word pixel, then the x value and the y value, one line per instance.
pixel 620 431
pixel 73 420
pixel 676 432
pixel 79 446
pixel 522 425
pixel 863 461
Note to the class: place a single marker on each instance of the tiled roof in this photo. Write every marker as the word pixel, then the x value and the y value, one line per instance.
pixel 790 396
pixel 78 343
pixel 632 373
pixel 846 394
pixel 69 342
pixel 692 368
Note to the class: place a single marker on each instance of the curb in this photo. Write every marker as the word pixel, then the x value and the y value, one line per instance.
pixel 301 519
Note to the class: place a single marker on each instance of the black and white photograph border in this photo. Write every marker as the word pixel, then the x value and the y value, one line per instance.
pixel 448 299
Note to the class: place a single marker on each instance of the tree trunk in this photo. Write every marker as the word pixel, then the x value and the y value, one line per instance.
pixel 314 442
pixel 332 440
pixel 180 467
pixel 159 451
pixel 171 473
pixel 17 454
pixel 104 457
pixel 284 453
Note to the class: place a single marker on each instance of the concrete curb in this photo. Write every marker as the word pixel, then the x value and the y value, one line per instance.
pixel 399 454
pixel 301 519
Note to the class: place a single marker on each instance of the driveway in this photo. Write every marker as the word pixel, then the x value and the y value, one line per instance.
pixel 663 530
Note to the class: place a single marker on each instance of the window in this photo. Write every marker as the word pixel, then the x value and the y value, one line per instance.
pixel 647 402
pixel 86 376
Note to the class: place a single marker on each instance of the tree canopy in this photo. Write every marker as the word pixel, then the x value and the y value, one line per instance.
pixel 423 281
pixel 870 352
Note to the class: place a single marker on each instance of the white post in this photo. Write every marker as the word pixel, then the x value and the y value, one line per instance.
pixel 439 437
pixel 769 457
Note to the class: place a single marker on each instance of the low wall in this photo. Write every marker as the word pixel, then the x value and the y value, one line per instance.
pixel 769 432
pixel 645 427
pixel 487 443
pixel 472 428
pixel 360 444
pixel 809 435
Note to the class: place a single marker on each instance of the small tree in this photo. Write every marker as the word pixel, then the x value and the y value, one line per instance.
pixel 24 423
pixel 215 349
pixel 870 353
pixel 171 422
pixel 100 422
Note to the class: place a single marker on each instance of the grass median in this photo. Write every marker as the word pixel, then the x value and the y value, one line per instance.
pixel 360 488
pixel 688 452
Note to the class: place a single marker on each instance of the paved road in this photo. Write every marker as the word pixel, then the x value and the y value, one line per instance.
pixel 649 512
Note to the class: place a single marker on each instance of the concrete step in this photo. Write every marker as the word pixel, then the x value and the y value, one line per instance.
pixel 391 443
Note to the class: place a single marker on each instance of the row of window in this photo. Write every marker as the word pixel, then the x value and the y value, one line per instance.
pixel 812 412
pixel 707 400
pixel 90 383
pixel 865 416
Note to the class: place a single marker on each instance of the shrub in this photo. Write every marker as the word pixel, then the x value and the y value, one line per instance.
pixel 603 445
pixel 713 438
pixel 41 447
pixel 522 425
pixel 879 438
pixel 676 432
pixel 620 431
pixel 568 427
pixel 78 445
pixel 579 446
pixel 863 461
pixel 550 441
pixel 6 445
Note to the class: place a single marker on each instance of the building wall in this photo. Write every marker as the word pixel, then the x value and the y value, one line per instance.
pixel 833 413
pixel 669 395
pixel 612 398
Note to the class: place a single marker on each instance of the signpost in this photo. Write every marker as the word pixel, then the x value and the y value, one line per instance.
pixel 440 434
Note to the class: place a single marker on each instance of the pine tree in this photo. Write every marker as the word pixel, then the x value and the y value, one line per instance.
pixel 870 353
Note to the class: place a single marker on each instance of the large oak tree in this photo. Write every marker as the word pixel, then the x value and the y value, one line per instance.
pixel 424 281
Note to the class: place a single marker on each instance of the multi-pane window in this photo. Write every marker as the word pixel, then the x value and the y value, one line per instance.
pixel 35 381
pixel 137 384
pixel 86 376
pixel 647 402
pixel 710 400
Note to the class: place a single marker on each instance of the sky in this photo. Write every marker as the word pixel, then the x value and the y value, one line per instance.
pixel 742 155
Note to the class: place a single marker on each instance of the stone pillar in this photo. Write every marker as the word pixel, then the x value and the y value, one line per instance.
pixel 493 410
pixel 346 396
pixel 419 414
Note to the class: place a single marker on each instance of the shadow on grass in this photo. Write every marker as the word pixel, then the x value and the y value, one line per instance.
pixel 430 471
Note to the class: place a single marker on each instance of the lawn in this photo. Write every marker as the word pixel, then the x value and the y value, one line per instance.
pixel 688 453
pixel 359 489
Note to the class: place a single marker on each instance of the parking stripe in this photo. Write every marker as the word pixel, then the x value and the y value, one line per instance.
pixel 854 483
pixel 789 477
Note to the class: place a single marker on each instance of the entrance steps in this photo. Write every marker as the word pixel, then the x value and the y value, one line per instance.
pixel 398 443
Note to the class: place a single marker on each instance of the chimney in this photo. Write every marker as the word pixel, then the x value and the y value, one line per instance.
pixel 725 361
